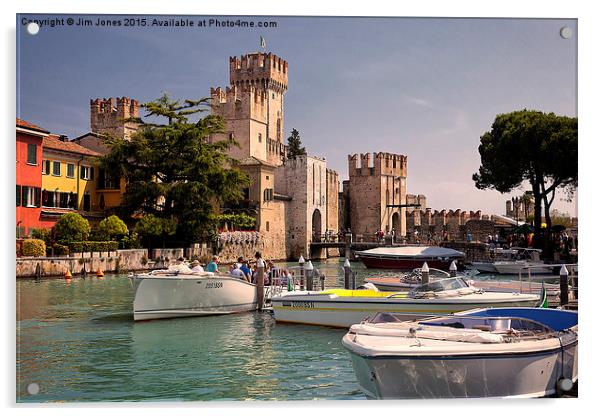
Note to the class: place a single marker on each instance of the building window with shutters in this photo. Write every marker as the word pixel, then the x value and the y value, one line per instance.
pixel 70 170
pixel 87 173
pixel 18 195
pixel 32 154
pixel 56 168
pixel 30 197
pixel 45 167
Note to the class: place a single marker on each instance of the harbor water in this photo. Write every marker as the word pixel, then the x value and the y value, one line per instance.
pixel 77 342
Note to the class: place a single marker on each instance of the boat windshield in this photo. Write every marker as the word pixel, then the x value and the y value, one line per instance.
pixel 441 285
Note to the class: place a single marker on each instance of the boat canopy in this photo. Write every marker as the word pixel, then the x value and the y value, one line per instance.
pixel 414 251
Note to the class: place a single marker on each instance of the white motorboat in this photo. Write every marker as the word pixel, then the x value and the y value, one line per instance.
pixel 344 307
pixel 507 352
pixel 526 260
pixel 164 294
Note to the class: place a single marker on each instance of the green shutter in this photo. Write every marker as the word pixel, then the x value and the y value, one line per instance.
pixel 36 197
pixel 91 173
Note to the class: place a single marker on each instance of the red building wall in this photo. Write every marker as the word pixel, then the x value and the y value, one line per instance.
pixel 28 175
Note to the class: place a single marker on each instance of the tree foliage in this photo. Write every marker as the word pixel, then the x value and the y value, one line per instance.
pixel 112 228
pixel 294 145
pixel 173 172
pixel 240 220
pixel 532 146
pixel 152 226
pixel 71 228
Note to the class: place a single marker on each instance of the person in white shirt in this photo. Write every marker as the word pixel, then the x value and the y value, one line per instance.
pixel 179 267
pixel 236 272
pixel 196 267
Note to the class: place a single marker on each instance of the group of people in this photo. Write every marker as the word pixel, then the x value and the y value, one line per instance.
pixel 380 235
pixel 246 270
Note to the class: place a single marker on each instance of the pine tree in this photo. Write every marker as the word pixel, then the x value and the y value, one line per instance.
pixel 173 172
pixel 294 145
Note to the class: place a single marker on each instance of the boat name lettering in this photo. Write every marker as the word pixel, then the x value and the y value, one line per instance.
pixel 214 285
pixel 302 304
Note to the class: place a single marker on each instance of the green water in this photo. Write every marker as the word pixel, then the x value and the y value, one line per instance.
pixel 78 342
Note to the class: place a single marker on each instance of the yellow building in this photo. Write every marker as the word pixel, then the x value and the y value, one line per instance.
pixel 68 181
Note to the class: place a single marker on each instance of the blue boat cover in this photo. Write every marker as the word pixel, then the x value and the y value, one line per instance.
pixel 556 319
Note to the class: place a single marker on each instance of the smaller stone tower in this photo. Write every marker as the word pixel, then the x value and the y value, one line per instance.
pixel 109 115
pixel 373 186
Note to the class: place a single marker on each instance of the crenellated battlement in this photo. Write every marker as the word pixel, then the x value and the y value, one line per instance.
pixel 264 69
pixel 110 115
pixel 247 101
pixel 444 217
pixel 377 164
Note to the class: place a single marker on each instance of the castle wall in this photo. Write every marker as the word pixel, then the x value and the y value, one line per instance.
pixel 109 115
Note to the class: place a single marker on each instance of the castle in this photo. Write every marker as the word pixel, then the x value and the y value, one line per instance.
pixel 295 200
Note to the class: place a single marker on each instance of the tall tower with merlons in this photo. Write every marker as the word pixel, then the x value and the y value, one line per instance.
pixel 253 106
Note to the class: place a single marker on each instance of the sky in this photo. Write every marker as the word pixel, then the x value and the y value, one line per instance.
pixel 427 88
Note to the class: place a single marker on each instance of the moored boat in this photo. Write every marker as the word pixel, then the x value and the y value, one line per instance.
pixel 409 257
pixel 343 307
pixel 170 295
pixel 507 352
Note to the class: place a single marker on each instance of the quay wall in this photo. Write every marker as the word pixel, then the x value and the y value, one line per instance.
pixel 117 261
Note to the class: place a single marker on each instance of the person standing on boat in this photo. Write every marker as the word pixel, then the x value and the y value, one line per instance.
pixel 212 266
pixel 236 272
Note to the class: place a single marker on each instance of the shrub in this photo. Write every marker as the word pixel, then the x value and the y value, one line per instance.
pixel 88 246
pixel 34 248
pixel 42 234
pixel 112 227
pixel 72 227
pixel 60 250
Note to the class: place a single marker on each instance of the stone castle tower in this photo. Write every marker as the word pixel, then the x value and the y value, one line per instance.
pixel 109 115
pixel 373 186
pixel 253 106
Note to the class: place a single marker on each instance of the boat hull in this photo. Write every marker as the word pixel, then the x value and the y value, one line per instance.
pixel 483 267
pixel 343 313
pixel 523 374
pixel 373 262
pixel 185 296
pixel 518 268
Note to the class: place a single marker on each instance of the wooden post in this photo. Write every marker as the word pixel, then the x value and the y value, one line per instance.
pixel 564 286
pixel 453 269
pixel 347 269
pixel 425 273
pixel 260 292
pixel 301 273
pixel 322 278
pixel 309 268
pixel 348 245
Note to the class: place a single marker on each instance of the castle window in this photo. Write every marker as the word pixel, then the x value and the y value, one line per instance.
pixel 394 163
pixel 259 137
pixel 45 167
pixel 32 154
pixel 387 162
pixel 267 178
pixel 70 170
pixel 267 226
pixel 273 95
pixel 56 168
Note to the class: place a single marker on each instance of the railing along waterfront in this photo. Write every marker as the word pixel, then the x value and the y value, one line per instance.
pixel 572 277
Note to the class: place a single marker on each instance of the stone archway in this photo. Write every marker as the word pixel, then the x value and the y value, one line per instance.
pixel 316 225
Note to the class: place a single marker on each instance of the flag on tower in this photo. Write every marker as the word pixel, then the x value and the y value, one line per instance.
pixel 261 42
